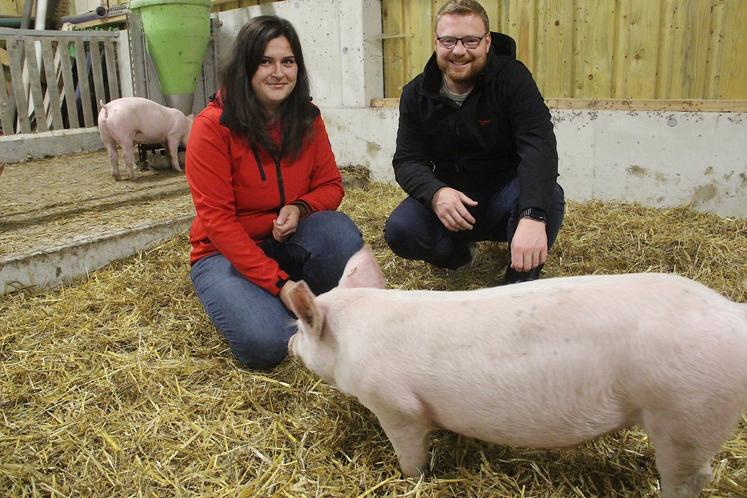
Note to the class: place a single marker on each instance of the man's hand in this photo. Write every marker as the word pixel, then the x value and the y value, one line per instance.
pixel 286 223
pixel 450 205
pixel 529 245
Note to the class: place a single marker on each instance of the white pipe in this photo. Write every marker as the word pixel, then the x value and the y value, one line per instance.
pixel 41 14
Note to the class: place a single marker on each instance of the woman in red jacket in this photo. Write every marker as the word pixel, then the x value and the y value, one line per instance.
pixel 265 188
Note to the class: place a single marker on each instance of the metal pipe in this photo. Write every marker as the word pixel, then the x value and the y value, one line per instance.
pixel 11 22
pixel 27 6
pixel 97 13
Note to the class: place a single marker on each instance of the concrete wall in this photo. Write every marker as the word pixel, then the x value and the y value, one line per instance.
pixel 660 159
pixel 30 146
pixel 341 45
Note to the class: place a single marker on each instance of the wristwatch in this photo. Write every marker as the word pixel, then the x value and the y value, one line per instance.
pixel 533 214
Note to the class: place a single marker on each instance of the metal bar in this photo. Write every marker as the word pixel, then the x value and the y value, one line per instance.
pixel 85 89
pixel 111 69
pixel 68 87
pixel 7 33
pixel 98 74
pixel 53 90
pixel 15 51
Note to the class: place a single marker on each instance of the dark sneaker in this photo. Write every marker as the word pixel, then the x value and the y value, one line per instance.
pixel 472 249
pixel 513 276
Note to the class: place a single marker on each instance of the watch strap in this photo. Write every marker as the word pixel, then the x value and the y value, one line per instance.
pixel 533 214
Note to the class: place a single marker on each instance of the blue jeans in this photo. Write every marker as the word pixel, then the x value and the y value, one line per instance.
pixel 255 323
pixel 413 231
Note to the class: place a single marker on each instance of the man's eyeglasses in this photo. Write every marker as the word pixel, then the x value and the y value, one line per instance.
pixel 449 42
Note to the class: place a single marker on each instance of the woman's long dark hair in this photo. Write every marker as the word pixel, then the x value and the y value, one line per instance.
pixel 243 113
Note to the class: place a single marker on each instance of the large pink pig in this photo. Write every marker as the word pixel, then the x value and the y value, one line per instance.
pixel 132 120
pixel 550 363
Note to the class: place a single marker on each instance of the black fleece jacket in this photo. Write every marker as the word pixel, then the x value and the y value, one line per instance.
pixel 502 130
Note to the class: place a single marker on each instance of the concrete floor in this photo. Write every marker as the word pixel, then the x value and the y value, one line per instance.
pixel 64 216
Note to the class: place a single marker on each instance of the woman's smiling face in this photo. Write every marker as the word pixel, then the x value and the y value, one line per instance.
pixel 275 77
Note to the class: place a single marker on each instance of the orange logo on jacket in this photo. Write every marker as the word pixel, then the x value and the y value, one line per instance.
pixel 484 122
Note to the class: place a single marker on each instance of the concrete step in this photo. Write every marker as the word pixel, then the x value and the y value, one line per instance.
pixel 56 265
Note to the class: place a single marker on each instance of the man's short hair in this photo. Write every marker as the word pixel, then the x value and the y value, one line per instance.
pixel 463 8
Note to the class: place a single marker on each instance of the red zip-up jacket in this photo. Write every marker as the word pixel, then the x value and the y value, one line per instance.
pixel 238 194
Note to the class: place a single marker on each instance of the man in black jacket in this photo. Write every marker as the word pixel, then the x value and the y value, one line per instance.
pixel 476 152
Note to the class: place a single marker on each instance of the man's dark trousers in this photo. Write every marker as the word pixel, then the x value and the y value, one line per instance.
pixel 413 231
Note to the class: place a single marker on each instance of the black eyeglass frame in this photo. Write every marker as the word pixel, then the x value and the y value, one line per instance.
pixel 457 40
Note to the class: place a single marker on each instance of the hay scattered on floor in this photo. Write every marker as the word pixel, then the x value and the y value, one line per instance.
pixel 119 385
pixel 64 199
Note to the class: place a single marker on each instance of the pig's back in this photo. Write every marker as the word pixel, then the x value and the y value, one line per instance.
pixel 558 360
pixel 142 120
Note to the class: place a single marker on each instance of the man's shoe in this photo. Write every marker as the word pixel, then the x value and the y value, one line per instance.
pixel 472 249
pixel 513 276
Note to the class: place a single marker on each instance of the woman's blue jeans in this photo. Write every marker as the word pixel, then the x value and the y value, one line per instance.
pixel 255 323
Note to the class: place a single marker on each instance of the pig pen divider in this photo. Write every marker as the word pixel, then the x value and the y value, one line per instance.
pixel 56 78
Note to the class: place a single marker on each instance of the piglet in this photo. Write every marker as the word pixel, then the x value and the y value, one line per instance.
pixel 132 120
pixel 550 363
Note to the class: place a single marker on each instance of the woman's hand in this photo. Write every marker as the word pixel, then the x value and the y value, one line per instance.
pixel 286 223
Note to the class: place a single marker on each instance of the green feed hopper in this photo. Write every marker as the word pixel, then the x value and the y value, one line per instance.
pixel 177 32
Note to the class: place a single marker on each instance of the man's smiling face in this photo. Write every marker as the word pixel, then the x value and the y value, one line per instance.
pixel 461 65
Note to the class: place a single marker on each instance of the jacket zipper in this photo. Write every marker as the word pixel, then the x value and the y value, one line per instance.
pixel 259 164
pixel 456 127
pixel 278 172
pixel 281 187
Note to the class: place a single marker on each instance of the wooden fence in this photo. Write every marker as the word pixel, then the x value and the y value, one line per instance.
pixel 61 89
pixel 595 49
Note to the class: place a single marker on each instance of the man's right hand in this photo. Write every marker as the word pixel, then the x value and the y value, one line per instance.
pixel 450 205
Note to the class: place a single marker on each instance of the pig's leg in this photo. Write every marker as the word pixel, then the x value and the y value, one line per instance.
pixel 128 151
pixel 684 471
pixel 112 149
pixel 409 437
pixel 683 453
pixel 173 147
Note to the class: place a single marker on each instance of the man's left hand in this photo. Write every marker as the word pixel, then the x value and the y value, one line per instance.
pixel 529 245
pixel 286 223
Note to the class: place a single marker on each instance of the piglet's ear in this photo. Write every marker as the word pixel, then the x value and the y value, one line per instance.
pixel 362 270
pixel 302 304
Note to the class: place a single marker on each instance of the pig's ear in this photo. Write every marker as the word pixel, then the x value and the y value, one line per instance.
pixel 302 304
pixel 362 270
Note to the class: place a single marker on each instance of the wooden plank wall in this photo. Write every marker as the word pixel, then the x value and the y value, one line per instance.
pixel 595 49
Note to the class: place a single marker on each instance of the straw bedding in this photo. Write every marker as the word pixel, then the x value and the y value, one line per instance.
pixel 118 385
